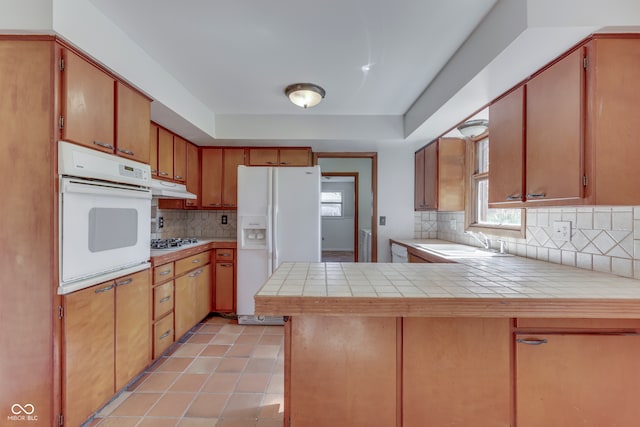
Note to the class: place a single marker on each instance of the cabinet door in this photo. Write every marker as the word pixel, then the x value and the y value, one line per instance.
pixel 456 372
pixel 431 176
pixel 347 364
pixel 162 335
pixel 294 157
pixel 132 123
pixel 89 331
pixel 233 157
pixel 577 380
pixel 451 174
pixel 203 293
pixel 418 197
pixel 179 159
pixel 165 154
pixel 185 304
pixel 87 104
pixel 193 174
pixel 153 149
pixel 133 326
pixel 554 130
pixel 225 287
pixel 506 149
pixel 211 177
pixel 263 156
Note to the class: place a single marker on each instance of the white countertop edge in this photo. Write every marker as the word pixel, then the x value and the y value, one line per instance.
pixel 68 288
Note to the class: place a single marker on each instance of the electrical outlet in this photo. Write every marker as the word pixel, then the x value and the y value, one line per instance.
pixel 562 231
pixel 161 222
pixel 383 220
pixel 223 219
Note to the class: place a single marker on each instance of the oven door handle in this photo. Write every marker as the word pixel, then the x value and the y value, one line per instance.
pixel 103 189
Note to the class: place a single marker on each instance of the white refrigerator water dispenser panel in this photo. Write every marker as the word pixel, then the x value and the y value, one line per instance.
pixel 253 232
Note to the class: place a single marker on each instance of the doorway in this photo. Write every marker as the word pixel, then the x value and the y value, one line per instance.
pixel 339 217
pixel 366 165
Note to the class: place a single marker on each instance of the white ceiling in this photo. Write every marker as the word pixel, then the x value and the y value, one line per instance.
pixel 432 63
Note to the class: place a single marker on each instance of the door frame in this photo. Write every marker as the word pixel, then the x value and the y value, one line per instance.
pixel 354 175
pixel 374 188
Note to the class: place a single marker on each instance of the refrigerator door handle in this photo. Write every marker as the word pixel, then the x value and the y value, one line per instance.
pixel 274 220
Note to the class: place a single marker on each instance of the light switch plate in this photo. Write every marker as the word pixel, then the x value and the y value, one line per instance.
pixel 562 231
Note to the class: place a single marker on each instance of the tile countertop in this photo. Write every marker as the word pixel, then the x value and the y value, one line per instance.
pixel 162 256
pixel 481 287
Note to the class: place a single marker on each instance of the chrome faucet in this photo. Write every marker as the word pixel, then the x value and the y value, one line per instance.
pixel 480 237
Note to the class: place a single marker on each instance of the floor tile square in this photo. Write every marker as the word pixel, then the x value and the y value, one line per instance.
pixel 171 405
pixel 232 365
pixel 215 350
pixel 189 382
pixel 175 364
pixel 137 404
pixel 207 406
pixel 221 383
pixel 158 381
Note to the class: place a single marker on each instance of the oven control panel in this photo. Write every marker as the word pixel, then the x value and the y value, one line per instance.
pixel 133 172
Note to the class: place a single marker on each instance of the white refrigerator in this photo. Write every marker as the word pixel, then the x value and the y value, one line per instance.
pixel 278 221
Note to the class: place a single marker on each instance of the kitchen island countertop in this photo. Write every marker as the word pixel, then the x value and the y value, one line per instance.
pixel 487 287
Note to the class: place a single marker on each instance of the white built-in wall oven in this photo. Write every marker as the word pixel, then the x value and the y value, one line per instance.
pixel 105 211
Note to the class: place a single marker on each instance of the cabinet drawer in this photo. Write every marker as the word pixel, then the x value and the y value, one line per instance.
pixel 224 255
pixel 162 335
pixel 162 300
pixel 162 273
pixel 192 262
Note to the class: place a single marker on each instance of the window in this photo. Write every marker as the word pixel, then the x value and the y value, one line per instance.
pixel 480 215
pixel 331 203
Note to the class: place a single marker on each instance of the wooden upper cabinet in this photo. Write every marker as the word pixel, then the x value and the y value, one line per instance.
pixel 577 380
pixel 554 131
pixel 132 124
pixel 613 111
pixel 506 149
pixel 440 175
pixel 179 159
pixel 284 156
pixel 153 149
pixel 233 157
pixel 88 104
pixel 193 174
pixel 211 177
pixel 165 154
pixel 132 326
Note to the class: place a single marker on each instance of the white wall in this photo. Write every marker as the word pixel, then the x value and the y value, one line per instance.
pixel 26 15
pixel 337 233
pixel 395 195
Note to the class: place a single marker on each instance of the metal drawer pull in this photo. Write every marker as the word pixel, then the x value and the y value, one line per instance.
pixel 129 152
pixel 196 273
pixel 224 254
pixel 226 265
pixel 195 261
pixel 536 195
pixel 215 204
pixel 124 282
pixel 178 177
pixel 514 197
pixel 104 145
pixel 165 299
pixel 154 170
pixel 164 173
pixel 164 273
pixel 105 289
pixel 271 163
pixel 166 334
pixel 284 163
pixel 531 342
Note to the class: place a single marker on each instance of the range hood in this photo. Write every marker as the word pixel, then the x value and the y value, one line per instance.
pixel 170 190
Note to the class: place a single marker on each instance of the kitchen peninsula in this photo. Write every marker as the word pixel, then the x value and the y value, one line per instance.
pixel 496 341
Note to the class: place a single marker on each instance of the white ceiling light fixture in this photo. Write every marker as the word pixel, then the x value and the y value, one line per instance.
pixel 304 95
pixel 473 128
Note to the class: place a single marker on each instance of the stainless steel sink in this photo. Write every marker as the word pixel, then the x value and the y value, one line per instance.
pixel 454 250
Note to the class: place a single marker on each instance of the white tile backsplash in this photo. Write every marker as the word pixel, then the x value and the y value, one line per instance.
pixel 603 238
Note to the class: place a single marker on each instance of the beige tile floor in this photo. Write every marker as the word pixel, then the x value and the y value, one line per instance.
pixel 222 374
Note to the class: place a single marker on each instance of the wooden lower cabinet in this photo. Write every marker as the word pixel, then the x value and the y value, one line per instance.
pixel 192 298
pixel 456 372
pixel 163 335
pixel 342 371
pixel 577 380
pixel 203 293
pixel 89 340
pixel 224 297
pixel 132 326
